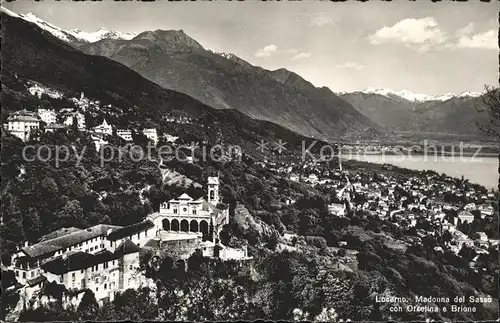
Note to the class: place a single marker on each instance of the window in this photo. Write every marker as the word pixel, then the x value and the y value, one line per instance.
pixel 24 275
pixel 97 289
pixel 194 212
pixel 139 235
pixel 146 233
pixel 61 279
pixel 92 249
pixel 32 274
pixel 81 271
pixel 73 277
pixel 17 273
pixel 175 211
pixel 105 286
pixel 102 245
pixel 184 210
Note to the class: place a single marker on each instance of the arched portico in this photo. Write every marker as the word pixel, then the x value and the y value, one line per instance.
pixel 166 224
pixel 184 226
pixel 204 227
pixel 193 226
pixel 174 225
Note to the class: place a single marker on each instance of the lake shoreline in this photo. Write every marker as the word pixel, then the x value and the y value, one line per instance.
pixel 482 171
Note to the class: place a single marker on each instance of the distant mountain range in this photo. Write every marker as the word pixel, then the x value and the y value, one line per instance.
pixel 175 61
pixel 448 114
pixel 412 97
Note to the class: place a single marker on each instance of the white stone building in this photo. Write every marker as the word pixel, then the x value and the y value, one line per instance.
pixel 105 273
pixel 26 262
pixel 151 134
pixel 48 116
pixel 465 216
pixel 125 134
pixel 22 123
pixel 104 128
pixel 189 215
pixel 337 209
pixel 70 118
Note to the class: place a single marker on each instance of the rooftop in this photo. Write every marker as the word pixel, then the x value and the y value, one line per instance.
pixel 213 180
pixel 81 260
pixel 130 230
pixel 55 126
pixel 184 196
pixel 25 118
pixel 59 233
pixel 36 281
pixel 61 242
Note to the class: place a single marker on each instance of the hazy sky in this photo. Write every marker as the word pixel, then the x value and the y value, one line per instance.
pixel 424 47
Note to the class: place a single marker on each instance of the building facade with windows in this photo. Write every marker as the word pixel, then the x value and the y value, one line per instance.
pixel 151 134
pixel 48 116
pixel 22 123
pixel 186 214
pixel 70 118
pixel 104 273
pixel 104 128
pixel 27 261
pixel 125 134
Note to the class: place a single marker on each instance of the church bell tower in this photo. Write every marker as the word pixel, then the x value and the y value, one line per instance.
pixel 213 190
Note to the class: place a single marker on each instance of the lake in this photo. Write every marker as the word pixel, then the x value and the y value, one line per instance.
pixel 479 170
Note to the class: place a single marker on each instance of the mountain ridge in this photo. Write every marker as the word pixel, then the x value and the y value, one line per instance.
pixel 73 35
pixel 225 81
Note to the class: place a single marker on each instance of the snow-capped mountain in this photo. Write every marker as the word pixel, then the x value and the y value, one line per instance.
pixel 101 33
pixel 406 111
pixel 412 97
pixel 74 34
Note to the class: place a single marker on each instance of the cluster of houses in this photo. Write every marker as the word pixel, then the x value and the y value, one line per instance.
pixel 178 119
pixel 105 258
pixel 405 203
pixel 22 123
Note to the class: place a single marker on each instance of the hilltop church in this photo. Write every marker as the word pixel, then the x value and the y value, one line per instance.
pixel 186 214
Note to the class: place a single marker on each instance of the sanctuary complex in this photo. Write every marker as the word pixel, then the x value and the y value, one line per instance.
pixel 105 258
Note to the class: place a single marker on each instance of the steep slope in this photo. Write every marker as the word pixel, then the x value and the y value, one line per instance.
pixel 175 61
pixel 33 54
